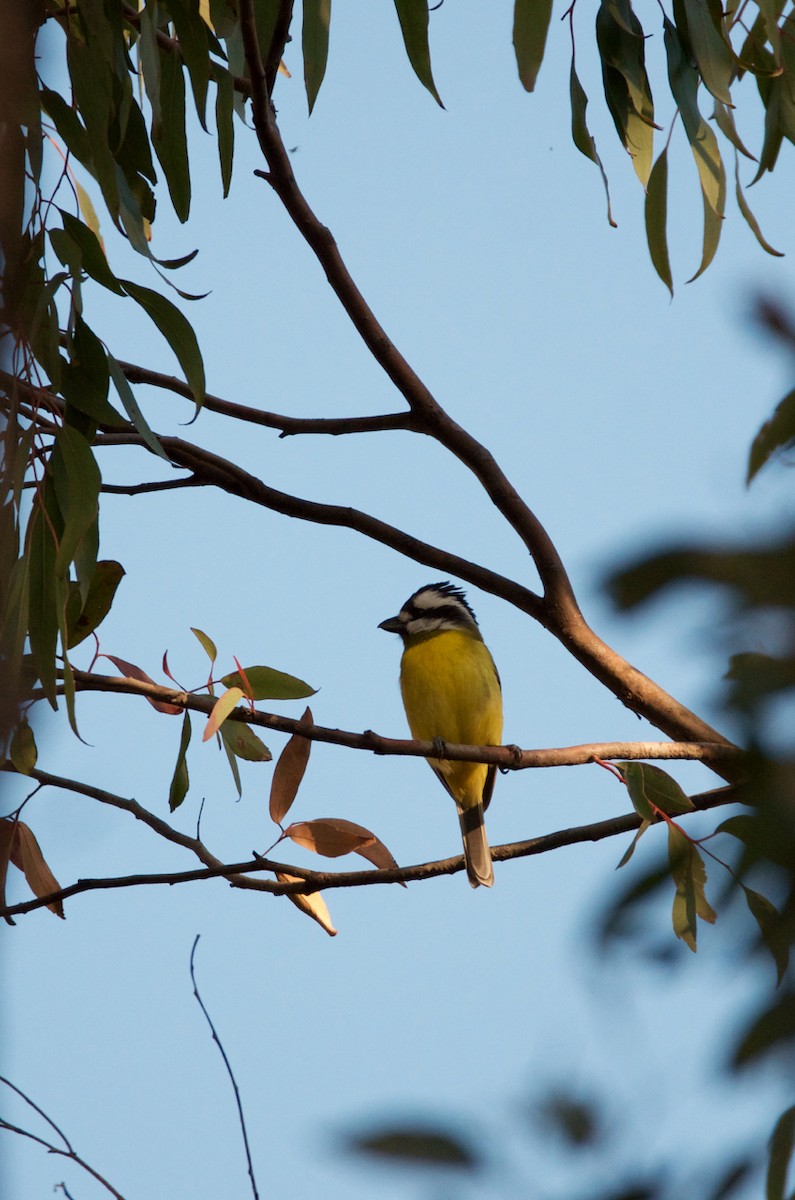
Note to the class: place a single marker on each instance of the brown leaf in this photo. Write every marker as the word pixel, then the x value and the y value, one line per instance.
pixel 313 905
pixel 130 671
pixel 7 830
pixel 329 836
pixel 26 854
pixel 288 773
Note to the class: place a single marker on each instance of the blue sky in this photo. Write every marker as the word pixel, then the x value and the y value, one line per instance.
pixel 478 235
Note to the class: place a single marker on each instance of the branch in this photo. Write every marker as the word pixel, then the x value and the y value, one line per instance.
pixel 316 881
pixel 254 416
pixel 714 754
pixel 140 489
pixel 65 1151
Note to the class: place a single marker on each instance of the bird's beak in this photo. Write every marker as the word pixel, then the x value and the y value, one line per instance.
pixel 392 625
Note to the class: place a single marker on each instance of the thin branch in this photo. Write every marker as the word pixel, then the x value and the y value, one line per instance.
pixel 140 489
pixel 229 1071
pixel 714 754
pixel 316 881
pixel 270 420
pixel 65 1151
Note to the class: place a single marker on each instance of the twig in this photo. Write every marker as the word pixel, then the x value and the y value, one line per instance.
pixel 140 489
pixel 229 1070
pixel 65 1151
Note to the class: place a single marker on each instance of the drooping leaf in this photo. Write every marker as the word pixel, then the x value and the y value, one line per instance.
pixel 168 133
pixel 86 618
pixel 769 1032
pixel 724 119
pixel 775 436
pixel 710 47
pixel 130 671
pixel 689 875
pixel 771 928
pixel 93 258
pixel 580 133
pixel 314 38
pixel 656 213
pixel 627 855
pixel 413 17
pixel 620 40
pixel 180 780
pixel 223 706
pixel 77 481
pixel 130 404
pixel 176 330
pixel 42 593
pixel 268 684
pixel 312 904
pixel 8 831
pixel 23 751
pixel 85 378
pixel 244 742
pixel 780 1152
pixel 749 217
pixel 288 772
pixel 224 110
pixel 193 43
pixel 26 854
pixel 530 27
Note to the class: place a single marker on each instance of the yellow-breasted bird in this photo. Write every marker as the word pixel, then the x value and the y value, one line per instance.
pixel 451 693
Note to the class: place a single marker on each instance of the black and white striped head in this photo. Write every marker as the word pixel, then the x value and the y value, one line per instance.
pixel 433 609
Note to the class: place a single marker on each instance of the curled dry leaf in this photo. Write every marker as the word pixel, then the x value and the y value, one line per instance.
pixel 221 710
pixel 130 670
pixel 288 772
pixel 333 836
pixel 26 854
pixel 7 838
pixel 313 905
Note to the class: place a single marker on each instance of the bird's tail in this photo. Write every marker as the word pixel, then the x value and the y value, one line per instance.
pixel 476 846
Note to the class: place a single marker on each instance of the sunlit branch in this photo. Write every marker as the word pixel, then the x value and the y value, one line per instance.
pixel 714 754
pixel 316 881
pixel 270 420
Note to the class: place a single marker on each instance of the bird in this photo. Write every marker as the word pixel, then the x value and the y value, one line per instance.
pixel 451 693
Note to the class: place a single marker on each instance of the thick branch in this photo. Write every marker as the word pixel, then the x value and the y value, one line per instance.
pixel 714 754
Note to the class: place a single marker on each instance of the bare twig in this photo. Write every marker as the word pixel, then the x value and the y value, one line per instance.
pixel 64 1151
pixel 229 1071
pixel 141 489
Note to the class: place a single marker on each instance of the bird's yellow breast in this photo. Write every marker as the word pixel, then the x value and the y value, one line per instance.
pixel 451 691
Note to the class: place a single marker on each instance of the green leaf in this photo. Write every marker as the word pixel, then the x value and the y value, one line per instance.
pixel 77 481
pixel 180 780
pixel 85 378
pixel 413 16
pixel 703 143
pixel 530 27
pixel 23 750
pixel 620 40
pixel 130 404
pixel 750 219
pixel 177 331
pixel 651 788
pixel 627 855
pixel 149 57
pixel 67 125
pixel 581 135
pixel 690 876
pixel 268 684
pixel 780 1151
pixel 776 435
pixel 207 645
pixel 192 35
pixel 419 1145
pixel 242 741
pixel 771 928
pixel 224 111
pixel 42 592
pixel 769 1033
pixel 656 213
pixel 724 119
pixel 168 134
pixel 314 38
pixel 92 83
pixel 93 258
pixel 102 590
pixel 711 50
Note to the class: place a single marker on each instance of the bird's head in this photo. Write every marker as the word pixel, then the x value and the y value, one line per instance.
pixel 433 609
